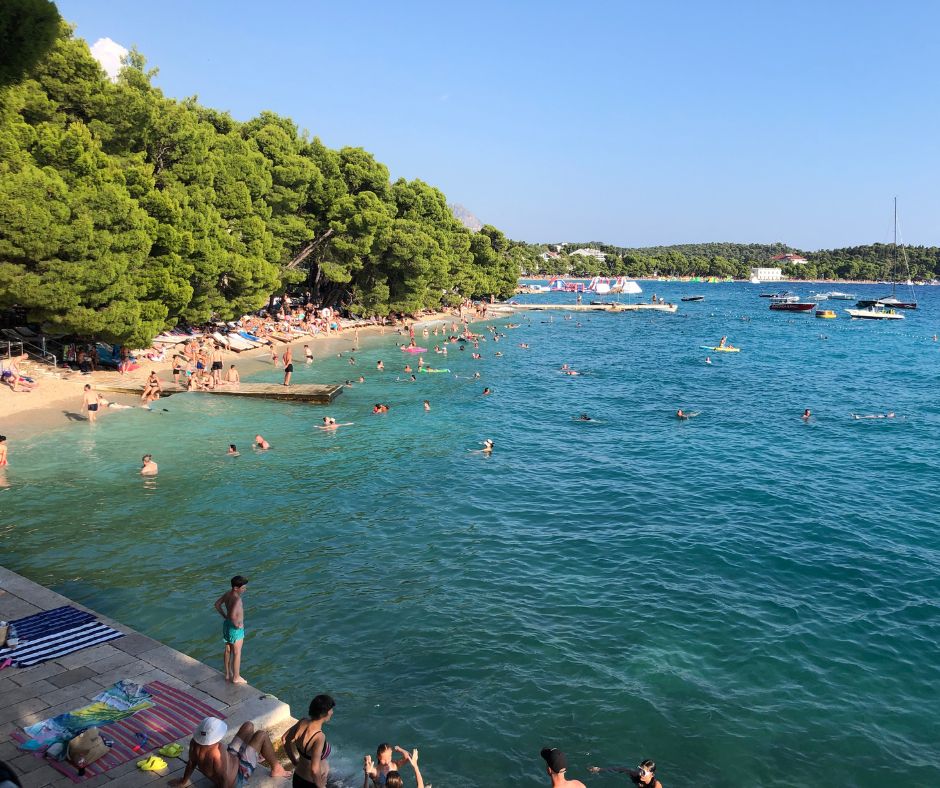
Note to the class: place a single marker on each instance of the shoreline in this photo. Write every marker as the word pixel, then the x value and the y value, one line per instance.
pixel 56 401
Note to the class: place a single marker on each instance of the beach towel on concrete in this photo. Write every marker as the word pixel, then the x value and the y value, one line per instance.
pixel 55 633
pixel 119 701
pixel 174 715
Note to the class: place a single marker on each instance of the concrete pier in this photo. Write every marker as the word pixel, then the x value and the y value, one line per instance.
pixel 29 695
pixel 317 393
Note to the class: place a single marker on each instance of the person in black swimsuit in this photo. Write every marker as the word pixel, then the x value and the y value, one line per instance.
pixel 306 745
pixel 288 365
pixel 644 774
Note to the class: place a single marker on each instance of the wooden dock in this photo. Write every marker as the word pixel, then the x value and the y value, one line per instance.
pixel 318 394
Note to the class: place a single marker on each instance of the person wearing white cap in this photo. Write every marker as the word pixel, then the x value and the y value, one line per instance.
pixel 230 767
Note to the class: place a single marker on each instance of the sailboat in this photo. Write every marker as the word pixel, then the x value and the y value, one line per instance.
pixel 892 301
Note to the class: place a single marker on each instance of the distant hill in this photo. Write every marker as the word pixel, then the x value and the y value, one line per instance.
pixel 464 216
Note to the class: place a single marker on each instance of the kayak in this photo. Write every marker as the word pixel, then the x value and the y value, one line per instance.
pixel 431 371
pixel 721 349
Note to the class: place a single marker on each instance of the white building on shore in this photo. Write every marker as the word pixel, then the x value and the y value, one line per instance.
pixel 766 274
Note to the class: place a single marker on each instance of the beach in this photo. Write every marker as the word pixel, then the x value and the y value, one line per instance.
pixel 735 588
pixel 58 398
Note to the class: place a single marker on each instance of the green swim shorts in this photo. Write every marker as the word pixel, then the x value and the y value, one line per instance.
pixel 231 633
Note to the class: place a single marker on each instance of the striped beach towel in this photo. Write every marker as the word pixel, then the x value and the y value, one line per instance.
pixel 174 715
pixel 55 633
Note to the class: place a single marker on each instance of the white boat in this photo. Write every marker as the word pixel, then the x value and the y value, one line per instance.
pixel 755 280
pixel 820 296
pixel 875 312
pixel 835 295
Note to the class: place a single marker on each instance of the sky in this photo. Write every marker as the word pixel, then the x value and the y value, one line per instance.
pixel 632 123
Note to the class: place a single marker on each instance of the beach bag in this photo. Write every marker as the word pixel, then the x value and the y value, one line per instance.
pixel 86 748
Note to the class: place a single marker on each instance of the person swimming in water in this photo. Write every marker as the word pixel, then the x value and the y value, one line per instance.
pixel 261 444
pixel 232 451
pixel 680 414
pixel 708 360
pixel 584 417
pixel 806 415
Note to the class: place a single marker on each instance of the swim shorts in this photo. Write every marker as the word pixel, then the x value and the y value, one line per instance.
pixel 230 633
pixel 217 365
pixel 92 408
pixel 289 368
pixel 247 760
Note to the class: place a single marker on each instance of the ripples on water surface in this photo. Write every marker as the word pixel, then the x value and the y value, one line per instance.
pixel 745 598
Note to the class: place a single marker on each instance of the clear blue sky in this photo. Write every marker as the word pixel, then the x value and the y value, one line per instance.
pixel 635 123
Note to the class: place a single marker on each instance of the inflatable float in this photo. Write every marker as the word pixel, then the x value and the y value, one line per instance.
pixel 414 350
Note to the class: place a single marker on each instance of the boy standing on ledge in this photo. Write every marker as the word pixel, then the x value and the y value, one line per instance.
pixel 232 611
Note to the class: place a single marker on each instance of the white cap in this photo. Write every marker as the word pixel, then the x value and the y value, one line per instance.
pixel 210 731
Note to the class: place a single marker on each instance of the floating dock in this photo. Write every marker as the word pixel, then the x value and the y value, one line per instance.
pixel 317 393
pixel 598 307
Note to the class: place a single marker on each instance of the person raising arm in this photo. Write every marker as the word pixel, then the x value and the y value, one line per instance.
pixel 644 774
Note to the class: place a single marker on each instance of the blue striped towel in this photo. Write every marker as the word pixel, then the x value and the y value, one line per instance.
pixel 54 633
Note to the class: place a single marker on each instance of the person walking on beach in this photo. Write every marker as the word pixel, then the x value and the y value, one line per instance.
pixel 217 364
pixel 91 401
pixel 230 607
pixel 288 365
pixel 306 745
pixel 644 774
pixel 556 766
pixel 231 767
pixel 148 466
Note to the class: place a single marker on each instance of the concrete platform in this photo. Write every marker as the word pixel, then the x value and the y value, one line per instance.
pixel 317 393
pixel 28 695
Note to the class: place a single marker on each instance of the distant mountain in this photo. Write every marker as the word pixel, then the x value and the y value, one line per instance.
pixel 466 218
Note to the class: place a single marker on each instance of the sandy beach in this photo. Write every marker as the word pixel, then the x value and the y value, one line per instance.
pixel 57 399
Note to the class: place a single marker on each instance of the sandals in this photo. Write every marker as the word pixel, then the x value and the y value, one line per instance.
pixel 151 764
pixel 170 750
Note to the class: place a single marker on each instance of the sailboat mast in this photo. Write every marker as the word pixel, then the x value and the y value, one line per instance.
pixel 894 283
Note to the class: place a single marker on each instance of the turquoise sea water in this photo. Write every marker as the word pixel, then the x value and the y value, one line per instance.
pixel 748 599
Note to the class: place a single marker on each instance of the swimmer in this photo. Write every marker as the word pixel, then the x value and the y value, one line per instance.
pixel 486 392
pixel 708 360
pixel 523 345
pixel 328 423
pixel 571 372
pixel 413 377
pixel 476 356
pixel 308 353
pixel 498 354
pixel 362 379
pixel 584 417
pixel 261 444
pixel 379 366
pixel 348 384
pixel 476 374
pixel 806 415
pixel 149 467
pixel 352 361
pixel 232 451
pixel 379 408
pixel 680 414
pixel 427 405
pixel 407 367
pixel 488 446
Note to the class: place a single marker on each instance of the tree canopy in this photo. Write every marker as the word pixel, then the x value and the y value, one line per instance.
pixel 124 212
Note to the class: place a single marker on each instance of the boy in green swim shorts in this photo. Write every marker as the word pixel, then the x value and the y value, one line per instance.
pixel 230 607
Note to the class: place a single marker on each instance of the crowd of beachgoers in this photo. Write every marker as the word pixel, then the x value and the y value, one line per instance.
pixel 197 363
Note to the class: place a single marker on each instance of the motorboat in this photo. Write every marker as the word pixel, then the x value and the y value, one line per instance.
pixel 875 312
pixel 791 303
pixel 835 295
pixel 693 298
pixel 888 301
pixel 784 294
pixel 820 296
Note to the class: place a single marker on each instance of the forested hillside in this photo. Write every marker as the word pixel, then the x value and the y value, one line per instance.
pixel 123 212
pixel 873 262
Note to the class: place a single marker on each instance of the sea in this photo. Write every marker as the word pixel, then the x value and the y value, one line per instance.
pixel 746 597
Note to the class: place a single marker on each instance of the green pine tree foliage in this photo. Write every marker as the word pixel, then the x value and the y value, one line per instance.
pixel 124 212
